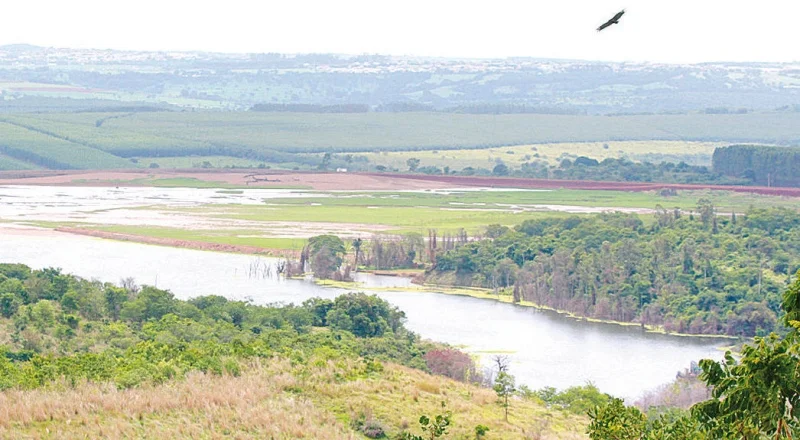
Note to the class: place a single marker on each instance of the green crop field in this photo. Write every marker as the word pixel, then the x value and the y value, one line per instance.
pixel 260 136
pixel 38 149
pixel 10 163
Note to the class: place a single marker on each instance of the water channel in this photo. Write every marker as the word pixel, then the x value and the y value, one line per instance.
pixel 546 349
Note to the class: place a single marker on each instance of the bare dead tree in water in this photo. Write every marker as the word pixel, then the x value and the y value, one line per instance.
pixel 260 269
pixel 501 362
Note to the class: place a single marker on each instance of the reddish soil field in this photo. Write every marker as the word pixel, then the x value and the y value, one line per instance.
pixel 351 181
pixel 317 181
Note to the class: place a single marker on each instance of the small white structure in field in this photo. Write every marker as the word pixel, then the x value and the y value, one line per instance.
pixel 341 170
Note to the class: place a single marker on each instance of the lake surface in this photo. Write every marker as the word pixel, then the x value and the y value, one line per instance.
pixel 546 349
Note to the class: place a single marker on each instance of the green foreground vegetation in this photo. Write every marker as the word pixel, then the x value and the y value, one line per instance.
pixel 87 359
pixel 756 397
pixel 343 368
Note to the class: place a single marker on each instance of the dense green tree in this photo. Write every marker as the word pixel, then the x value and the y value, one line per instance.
pixel 500 169
pixel 319 308
pixel 615 421
pixel 150 304
pixel 159 337
pixel 9 304
pixel 326 254
pixel 770 166
pixel 115 297
pixel 364 315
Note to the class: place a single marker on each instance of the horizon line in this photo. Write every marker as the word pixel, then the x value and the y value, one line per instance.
pixel 377 54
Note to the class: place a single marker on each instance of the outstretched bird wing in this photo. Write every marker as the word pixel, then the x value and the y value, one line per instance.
pixel 605 25
pixel 612 21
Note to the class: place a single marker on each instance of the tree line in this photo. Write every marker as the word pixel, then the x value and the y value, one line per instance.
pixel 586 168
pixel 699 273
pixel 58 327
pixel 768 166
pixel 754 397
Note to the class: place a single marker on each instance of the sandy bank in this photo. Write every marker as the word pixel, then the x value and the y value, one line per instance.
pixel 188 244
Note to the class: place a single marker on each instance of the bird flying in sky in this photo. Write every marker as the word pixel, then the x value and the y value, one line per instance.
pixel 614 20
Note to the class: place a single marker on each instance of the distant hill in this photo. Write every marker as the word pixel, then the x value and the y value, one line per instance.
pixel 388 83
pixel 20 48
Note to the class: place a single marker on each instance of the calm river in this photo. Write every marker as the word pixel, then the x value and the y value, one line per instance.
pixel 546 349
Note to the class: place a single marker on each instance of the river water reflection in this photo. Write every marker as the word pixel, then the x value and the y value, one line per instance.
pixel 545 348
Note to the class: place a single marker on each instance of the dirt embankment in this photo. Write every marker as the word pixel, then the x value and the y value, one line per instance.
pixel 243 178
pixel 189 244
pixel 348 181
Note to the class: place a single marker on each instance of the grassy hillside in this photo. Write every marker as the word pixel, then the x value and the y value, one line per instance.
pixel 276 399
pixel 75 139
pixel 83 359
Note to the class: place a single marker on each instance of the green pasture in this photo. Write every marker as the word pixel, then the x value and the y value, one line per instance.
pixel 471 210
pixel 400 219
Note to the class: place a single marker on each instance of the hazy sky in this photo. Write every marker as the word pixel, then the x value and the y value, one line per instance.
pixel 652 30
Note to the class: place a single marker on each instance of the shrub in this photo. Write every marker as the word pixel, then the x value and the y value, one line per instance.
pixel 373 429
pixel 453 364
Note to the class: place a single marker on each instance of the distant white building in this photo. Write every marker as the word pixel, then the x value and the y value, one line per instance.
pixel 341 170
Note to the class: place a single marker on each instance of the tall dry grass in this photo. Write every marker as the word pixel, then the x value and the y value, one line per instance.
pixel 273 399
pixel 252 406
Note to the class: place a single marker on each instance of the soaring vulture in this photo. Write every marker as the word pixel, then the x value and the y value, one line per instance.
pixel 614 20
